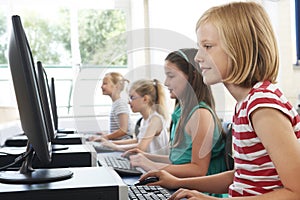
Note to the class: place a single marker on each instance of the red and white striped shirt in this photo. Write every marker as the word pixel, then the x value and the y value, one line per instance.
pixel 255 172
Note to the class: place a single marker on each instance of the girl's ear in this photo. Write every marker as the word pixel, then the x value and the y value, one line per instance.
pixel 118 86
pixel 146 98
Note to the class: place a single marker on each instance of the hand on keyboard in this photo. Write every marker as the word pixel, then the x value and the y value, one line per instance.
pixel 100 148
pixel 146 181
pixel 121 165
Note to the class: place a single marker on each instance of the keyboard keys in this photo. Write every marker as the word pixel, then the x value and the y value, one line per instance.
pixel 144 192
pixel 118 162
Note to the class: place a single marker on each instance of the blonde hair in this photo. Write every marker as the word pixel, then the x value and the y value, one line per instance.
pixel 117 79
pixel 248 39
pixel 155 90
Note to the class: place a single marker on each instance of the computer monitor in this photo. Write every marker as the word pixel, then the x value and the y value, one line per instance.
pixel 53 103
pixel 30 111
pixel 54 110
pixel 47 107
pixel 45 99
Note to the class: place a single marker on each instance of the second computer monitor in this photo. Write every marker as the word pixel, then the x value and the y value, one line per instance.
pixel 45 98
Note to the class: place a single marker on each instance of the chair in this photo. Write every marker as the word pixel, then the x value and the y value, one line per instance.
pixel 137 126
pixel 227 127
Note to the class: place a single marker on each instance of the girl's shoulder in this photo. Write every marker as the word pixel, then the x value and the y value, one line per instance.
pixel 121 100
pixel 200 105
pixel 155 115
pixel 264 93
pixel 201 109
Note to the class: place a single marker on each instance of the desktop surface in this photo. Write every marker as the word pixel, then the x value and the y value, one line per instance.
pixel 87 183
pixel 91 183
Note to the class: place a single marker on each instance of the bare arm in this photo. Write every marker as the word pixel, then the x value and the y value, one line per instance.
pixel 150 156
pixel 274 131
pixel 217 183
pixel 127 141
pixel 154 127
pixel 146 161
pixel 200 126
pixel 158 158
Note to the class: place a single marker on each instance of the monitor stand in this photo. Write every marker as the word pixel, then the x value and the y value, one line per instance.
pixel 28 175
pixel 34 177
pixel 66 130
pixel 59 147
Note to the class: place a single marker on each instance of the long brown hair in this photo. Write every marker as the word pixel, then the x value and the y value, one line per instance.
pixel 196 90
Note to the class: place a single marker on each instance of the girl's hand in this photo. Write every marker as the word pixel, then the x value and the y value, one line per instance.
pixel 190 194
pixel 139 160
pixel 95 138
pixel 166 180
pixel 109 144
pixel 130 152
pixel 100 133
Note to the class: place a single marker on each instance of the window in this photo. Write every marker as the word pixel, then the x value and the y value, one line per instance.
pixel 68 39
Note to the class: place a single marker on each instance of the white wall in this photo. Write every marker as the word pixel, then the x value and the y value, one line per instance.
pixel 172 23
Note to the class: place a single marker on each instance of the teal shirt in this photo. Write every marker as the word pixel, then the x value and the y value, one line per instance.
pixel 182 153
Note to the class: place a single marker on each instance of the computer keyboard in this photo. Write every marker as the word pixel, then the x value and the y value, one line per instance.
pixel 121 165
pixel 147 192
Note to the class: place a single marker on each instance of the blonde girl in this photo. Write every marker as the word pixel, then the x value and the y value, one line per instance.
pixel 120 124
pixel 148 98
pixel 237 47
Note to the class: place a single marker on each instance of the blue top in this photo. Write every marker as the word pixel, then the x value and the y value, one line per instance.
pixel 182 153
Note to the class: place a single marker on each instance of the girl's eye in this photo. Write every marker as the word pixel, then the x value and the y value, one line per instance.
pixel 169 75
pixel 206 46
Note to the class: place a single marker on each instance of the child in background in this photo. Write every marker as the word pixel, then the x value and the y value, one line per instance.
pixel 197 142
pixel 237 46
pixel 120 124
pixel 148 98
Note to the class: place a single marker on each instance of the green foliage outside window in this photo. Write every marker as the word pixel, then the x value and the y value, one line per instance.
pixel 3 39
pixel 101 37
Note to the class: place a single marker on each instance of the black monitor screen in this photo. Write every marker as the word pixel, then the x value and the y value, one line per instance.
pixel 30 110
pixel 53 103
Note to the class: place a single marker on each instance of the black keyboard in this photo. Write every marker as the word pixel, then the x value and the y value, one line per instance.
pixel 121 165
pixel 147 192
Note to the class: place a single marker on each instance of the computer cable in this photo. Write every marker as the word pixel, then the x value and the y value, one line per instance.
pixel 18 159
